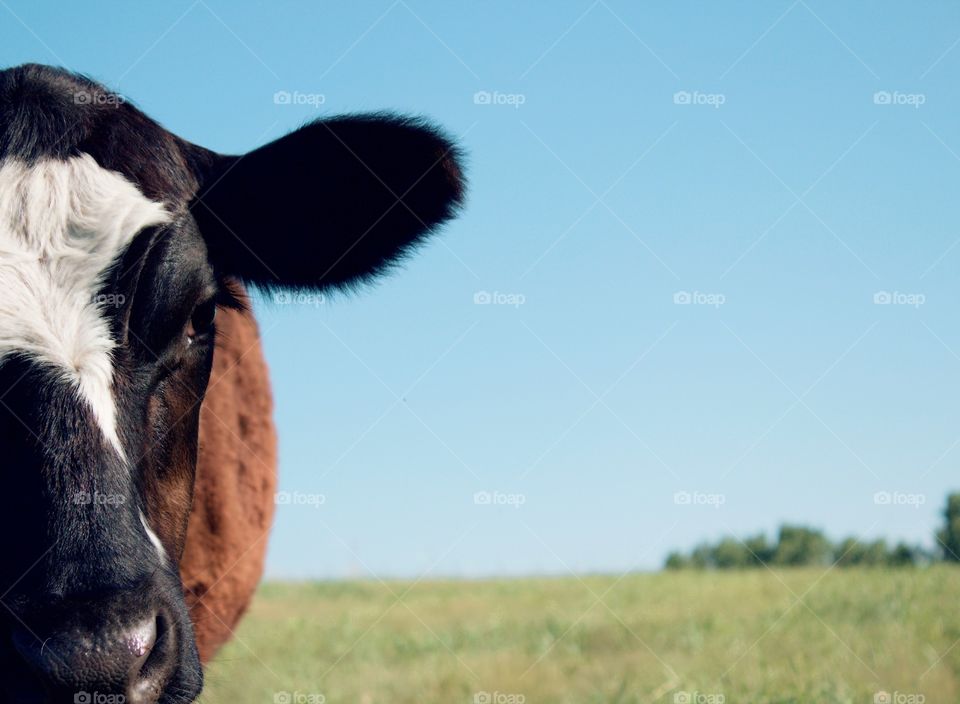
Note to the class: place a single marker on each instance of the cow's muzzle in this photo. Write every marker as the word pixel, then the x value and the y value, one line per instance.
pixel 123 648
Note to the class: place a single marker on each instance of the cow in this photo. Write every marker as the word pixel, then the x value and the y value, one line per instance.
pixel 139 454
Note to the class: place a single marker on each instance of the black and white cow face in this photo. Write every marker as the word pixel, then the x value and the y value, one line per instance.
pixel 118 241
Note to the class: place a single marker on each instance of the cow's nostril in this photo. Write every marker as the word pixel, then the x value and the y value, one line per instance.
pixel 140 640
pixel 152 669
pixel 136 661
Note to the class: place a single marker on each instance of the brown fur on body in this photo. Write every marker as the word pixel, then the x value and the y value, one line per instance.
pixel 233 500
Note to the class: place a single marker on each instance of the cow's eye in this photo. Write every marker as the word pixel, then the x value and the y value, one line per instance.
pixel 201 322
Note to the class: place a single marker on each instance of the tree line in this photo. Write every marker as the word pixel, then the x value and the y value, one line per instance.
pixel 797 545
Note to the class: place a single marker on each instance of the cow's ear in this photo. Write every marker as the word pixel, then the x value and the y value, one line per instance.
pixel 332 204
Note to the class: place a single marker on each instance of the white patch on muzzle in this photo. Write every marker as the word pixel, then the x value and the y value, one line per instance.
pixel 63 223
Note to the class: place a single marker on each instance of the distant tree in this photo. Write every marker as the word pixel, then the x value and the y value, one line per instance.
pixel 730 553
pixel 876 554
pixel 760 549
pixel 702 557
pixel 852 552
pixel 676 561
pixel 904 555
pixel 848 552
pixel 798 545
pixel 948 537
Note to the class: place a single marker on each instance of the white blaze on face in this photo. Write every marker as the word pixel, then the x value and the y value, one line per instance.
pixel 154 538
pixel 63 223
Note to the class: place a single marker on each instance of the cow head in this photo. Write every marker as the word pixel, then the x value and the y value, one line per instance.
pixel 118 242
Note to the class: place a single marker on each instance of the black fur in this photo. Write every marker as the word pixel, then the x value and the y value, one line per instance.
pixel 334 203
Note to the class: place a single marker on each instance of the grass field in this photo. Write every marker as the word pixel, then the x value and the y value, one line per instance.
pixel 785 637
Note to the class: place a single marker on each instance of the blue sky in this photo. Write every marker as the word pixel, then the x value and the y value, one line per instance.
pixel 780 165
